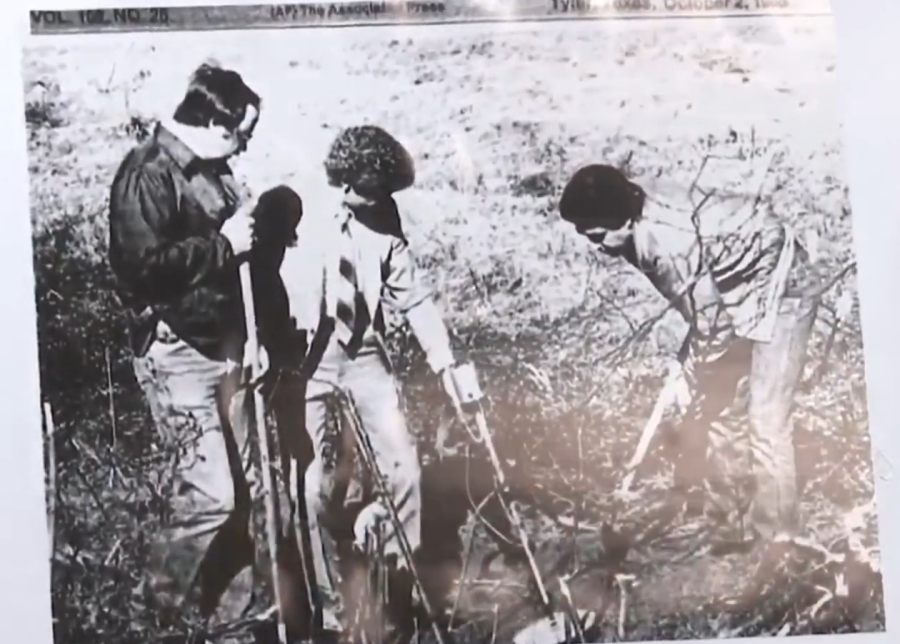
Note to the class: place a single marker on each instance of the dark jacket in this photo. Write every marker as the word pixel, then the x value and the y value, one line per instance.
pixel 172 263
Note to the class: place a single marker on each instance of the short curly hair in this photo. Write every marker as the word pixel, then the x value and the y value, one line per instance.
pixel 601 195
pixel 369 160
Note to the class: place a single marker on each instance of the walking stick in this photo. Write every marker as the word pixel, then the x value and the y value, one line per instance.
pixel 50 437
pixel 470 396
pixel 367 452
pixel 263 440
pixel 666 398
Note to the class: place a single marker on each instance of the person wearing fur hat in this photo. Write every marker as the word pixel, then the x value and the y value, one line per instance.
pixel 360 269
pixel 732 270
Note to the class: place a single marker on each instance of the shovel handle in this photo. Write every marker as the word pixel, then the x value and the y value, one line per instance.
pixel 666 398
pixel 272 530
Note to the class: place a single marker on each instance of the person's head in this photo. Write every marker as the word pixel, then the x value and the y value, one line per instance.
pixel 219 101
pixel 275 219
pixel 603 205
pixel 369 164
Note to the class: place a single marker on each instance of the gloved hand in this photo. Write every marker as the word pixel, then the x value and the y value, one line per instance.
pixel 442 438
pixel 460 382
pixel 369 524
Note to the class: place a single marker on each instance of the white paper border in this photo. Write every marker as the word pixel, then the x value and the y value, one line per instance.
pixel 869 86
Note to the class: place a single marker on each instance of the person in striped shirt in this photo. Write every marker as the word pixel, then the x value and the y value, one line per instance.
pixel 730 268
pixel 356 267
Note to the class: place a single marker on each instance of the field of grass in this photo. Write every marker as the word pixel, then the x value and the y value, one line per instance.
pixel 497 116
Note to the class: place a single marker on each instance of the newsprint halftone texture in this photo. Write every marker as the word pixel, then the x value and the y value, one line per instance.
pixel 635 220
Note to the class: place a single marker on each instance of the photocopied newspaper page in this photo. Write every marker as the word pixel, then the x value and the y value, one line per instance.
pixel 520 322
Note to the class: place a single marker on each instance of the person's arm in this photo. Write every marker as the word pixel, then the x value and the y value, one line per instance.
pixel 711 329
pixel 683 277
pixel 143 208
pixel 691 290
pixel 404 293
pixel 708 337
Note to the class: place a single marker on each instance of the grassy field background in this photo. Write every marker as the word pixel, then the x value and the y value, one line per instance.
pixel 497 116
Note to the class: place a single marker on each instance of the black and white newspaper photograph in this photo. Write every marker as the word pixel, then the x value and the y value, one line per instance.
pixel 448 321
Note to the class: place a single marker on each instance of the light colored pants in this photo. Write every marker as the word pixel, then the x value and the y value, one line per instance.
pixel 753 470
pixel 368 379
pixel 202 557
pixel 774 378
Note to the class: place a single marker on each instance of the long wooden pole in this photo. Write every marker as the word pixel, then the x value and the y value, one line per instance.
pixel 263 440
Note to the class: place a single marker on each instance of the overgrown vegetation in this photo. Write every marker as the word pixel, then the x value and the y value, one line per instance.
pixel 560 336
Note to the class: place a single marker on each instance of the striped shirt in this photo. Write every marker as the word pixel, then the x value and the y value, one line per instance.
pixel 725 268
pixel 389 279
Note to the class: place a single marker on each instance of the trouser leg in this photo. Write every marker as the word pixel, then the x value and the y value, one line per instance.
pixel 702 436
pixel 776 374
pixel 205 541
pixel 393 450
pixel 322 479
pixel 377 401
